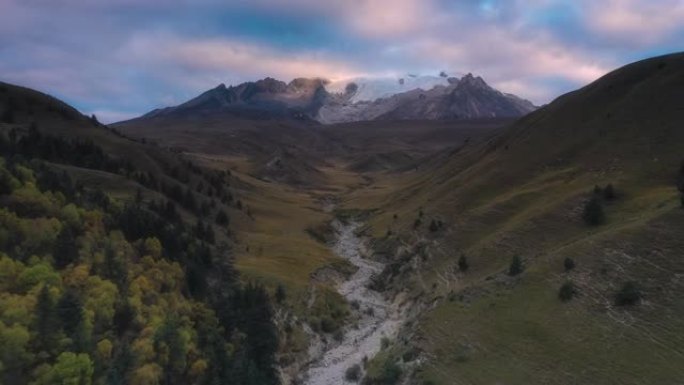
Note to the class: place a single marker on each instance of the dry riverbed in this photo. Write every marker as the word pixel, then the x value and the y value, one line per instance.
pixel 378 317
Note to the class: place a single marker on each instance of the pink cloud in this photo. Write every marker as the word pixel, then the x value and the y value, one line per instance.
pixel 226 58
pixel 637 21
pixel 513 62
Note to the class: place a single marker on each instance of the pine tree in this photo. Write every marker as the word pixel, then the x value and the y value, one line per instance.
pixel 609 192
pixel 629 294
pixel 567 291
pixel 170 348
pixel 114 267
pixel 222 218
pixel 70 314
pixel 569 264
pixel 66 249
pixel 45 321
pixel 593 212
pixel 516 266
pixel 280 293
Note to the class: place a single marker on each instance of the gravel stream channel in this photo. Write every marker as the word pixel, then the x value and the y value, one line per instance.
pixel 378 317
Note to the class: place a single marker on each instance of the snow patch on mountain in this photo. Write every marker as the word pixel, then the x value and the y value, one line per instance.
pixel 372 88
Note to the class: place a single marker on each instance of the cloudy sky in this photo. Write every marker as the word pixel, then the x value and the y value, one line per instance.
pixel 121 58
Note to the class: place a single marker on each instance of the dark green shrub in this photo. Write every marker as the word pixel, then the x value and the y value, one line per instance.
pixel 593 214
pixel 353 373
pixel 629 294
pixel 390 373
pixel 384 343
pixel 609 192
pixel 516 266
pixel 410 355
pixel 569 264
pixel 567 291
pixel 328 325
pixel 463 263
pixel 222 218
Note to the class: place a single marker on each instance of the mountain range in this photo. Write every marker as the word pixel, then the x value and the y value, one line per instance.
pixel 450 98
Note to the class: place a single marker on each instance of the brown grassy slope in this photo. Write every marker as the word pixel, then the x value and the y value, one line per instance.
pixel 278 149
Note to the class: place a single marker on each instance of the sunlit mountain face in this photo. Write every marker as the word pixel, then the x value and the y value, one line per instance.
pixel 120 59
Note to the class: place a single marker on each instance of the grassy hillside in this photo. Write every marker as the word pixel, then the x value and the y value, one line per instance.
pixel 524 193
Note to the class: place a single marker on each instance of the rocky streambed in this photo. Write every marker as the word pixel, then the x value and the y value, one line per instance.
pixel 378 317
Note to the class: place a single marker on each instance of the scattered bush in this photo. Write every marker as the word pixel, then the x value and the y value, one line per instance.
pixel 567 291
pixel 384 343
pixel 390 373
pixel 609 192
pixel 463 263
pixel 222 218
pixel 629 294
pixel 353 373
pixel 516 266
pixel 593 214
pixel 417 223
pixel 436 225
pixel 327 325
pixel 569 264
pixel 410 355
